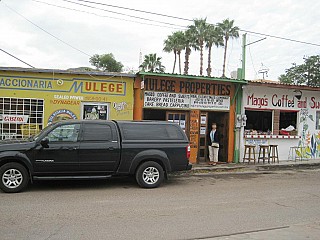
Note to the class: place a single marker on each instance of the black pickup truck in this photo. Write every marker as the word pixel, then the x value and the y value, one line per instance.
pixel 95 150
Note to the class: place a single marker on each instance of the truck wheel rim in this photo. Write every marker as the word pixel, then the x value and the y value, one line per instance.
pixel 12 178
pixel 150 175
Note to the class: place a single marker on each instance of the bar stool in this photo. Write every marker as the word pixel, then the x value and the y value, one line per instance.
pixel 264 153
pixel 295 153
pixel 249 150
pixel 273 153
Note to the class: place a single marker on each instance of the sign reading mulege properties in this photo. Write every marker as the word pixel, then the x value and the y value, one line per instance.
pixel 185 101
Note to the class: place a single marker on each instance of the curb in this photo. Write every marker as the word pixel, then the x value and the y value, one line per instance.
pixel 290 166
pixel 246 168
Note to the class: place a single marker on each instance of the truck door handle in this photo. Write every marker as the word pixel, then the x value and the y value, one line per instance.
pixel 72 148
pixel 111 148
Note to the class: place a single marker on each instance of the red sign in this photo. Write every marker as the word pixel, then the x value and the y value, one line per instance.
pixel 6 118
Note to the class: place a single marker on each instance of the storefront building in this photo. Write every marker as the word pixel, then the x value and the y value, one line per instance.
pixel 30 99
pixel 284 115
pixel 193 103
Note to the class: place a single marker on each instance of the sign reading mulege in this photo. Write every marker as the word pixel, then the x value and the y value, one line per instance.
pixel 185 101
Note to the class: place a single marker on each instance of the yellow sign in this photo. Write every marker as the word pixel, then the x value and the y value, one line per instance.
pixel 110 87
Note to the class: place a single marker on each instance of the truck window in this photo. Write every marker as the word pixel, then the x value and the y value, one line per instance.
pixel 97 132
pixel 151 132
pixel 65 133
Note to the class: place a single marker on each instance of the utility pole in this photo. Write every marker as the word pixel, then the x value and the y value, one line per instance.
pixel 243 71
pixel 239 131
pixel 244 45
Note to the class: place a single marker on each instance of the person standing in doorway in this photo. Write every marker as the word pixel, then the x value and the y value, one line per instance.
pixel 213 144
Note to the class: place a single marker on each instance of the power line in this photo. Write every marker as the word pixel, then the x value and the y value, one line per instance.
pixel 47 31
pixel 123 14
pixel 95 14
pixel 136 10
pixel 185 19
pixel 16 58
pixel 282 38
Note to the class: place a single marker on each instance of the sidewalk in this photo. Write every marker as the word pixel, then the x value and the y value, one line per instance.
pixel 258 167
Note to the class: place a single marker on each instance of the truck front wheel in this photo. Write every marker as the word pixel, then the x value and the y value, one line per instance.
pixel 14 177
pixel 149 175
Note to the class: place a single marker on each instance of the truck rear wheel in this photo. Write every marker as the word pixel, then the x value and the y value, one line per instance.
pixel 149 175
pixel 14 177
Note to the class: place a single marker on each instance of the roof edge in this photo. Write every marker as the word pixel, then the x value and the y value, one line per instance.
pixel 282 85
pixel 60 71
pixel 240 81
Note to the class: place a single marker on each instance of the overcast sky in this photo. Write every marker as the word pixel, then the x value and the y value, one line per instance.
pixel 91 31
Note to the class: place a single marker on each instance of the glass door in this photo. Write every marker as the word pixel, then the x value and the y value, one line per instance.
pixel 203 149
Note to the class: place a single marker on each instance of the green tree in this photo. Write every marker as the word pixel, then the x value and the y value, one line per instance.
pixel 214 36
pixel 307 73
pixel 313 70
pixel 175 43
pixel 152 63
pixel 106 63
pixel 199 29
pixel 229 31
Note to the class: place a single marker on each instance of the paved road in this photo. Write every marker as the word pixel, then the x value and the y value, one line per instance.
pixel 284 205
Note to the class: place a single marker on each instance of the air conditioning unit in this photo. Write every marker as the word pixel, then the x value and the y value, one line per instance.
pixel 234 75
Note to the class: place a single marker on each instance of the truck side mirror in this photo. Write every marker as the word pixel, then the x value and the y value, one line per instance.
pixel 45 142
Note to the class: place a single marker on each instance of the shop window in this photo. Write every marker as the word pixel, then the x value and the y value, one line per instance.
pixel 288 123
pixel 95 111
pixel 20 117
pixel 318 120
pixel 179 118
pixel 152 114
pixel 258 122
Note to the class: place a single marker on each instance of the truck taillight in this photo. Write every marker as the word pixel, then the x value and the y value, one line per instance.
pixel 188 151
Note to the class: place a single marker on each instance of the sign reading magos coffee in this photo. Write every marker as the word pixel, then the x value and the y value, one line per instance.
pixel 185 101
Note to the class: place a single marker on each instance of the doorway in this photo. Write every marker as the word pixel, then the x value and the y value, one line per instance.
pixel 222 121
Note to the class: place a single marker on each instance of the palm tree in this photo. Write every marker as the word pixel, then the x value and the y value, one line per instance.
pixel 175 43
pixel 179 43
pixel 229 31
pixel 199 29
pixel 169 47
pixel 214 36
pixel 190 42
pixel 152 63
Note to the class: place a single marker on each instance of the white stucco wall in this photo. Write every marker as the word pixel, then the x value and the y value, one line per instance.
pixel 306 102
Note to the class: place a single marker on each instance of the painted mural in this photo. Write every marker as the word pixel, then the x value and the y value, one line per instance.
pixel 310 142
